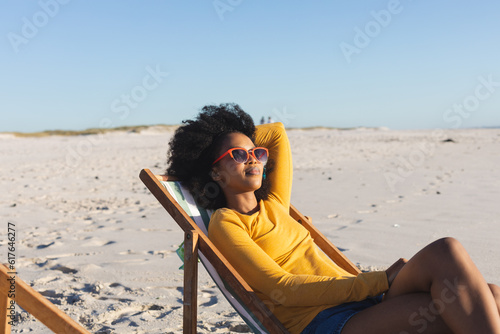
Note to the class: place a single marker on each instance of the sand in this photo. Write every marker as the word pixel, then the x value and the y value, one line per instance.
pixel 91 238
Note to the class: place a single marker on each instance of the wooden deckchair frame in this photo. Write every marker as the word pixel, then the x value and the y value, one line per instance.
pixel 34 303
pixel 195 240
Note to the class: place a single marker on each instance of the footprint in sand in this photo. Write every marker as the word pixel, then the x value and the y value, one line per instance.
pixel 45 246
pixel 121 300
pixel 97 242
pixel 126 314
pixel 115 285
pixel 232 326
pixel 59 298
pixel 53 296
pixel 47 279
pixel 212 298
pixel 64 269
pixel 162 253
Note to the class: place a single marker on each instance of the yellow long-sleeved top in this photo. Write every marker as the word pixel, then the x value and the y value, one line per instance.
pixel 277 256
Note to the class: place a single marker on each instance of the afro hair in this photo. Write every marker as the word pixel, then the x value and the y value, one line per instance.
pixel 195 144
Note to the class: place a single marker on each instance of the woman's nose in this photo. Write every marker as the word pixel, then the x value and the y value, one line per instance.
pixel 251 158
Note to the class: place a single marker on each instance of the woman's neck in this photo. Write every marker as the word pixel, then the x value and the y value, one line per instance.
pixel 245 203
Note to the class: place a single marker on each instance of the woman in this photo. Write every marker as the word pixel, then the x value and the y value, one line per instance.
pixel 245 173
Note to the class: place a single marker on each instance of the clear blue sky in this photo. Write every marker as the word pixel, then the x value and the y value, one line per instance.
pixel 401 64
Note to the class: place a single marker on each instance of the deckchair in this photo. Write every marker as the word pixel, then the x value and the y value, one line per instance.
pixel 14 289
pixel 194 220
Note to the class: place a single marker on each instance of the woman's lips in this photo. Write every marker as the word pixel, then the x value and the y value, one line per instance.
pixel 252 171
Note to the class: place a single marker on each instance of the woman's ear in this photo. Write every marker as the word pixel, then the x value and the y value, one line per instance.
pixel 214 174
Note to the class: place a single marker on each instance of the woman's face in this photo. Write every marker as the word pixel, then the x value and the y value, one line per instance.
pixel 236 177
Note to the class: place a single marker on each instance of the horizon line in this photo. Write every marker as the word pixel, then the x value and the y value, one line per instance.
pixel 139 128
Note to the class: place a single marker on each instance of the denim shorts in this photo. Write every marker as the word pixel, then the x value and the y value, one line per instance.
pixel 333 319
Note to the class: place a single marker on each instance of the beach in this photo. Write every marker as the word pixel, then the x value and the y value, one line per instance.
pixel 93 240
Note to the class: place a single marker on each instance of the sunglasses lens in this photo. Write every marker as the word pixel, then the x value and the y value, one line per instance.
pixel 260 154
pixel 240 156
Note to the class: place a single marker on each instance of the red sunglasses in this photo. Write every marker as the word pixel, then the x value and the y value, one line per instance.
pixel 241 155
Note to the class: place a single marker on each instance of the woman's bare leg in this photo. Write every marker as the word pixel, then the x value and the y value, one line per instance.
pixel 408 314
pixel 495 290
pixel 459 297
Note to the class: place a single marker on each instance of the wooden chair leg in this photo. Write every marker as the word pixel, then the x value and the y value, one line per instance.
pixel 36 304
pixel 6 304
pixel 190 282
pixel 4 319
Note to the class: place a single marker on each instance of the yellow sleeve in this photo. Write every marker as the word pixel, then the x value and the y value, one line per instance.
pixel 264 275
pixel 273 137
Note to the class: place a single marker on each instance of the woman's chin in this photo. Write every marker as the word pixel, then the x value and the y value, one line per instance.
pixel 255 184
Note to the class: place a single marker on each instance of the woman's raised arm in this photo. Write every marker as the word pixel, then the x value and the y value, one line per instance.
pixel 273 136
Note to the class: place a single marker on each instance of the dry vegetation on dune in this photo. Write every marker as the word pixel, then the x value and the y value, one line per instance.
pixel 91 131
pixel 136 129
